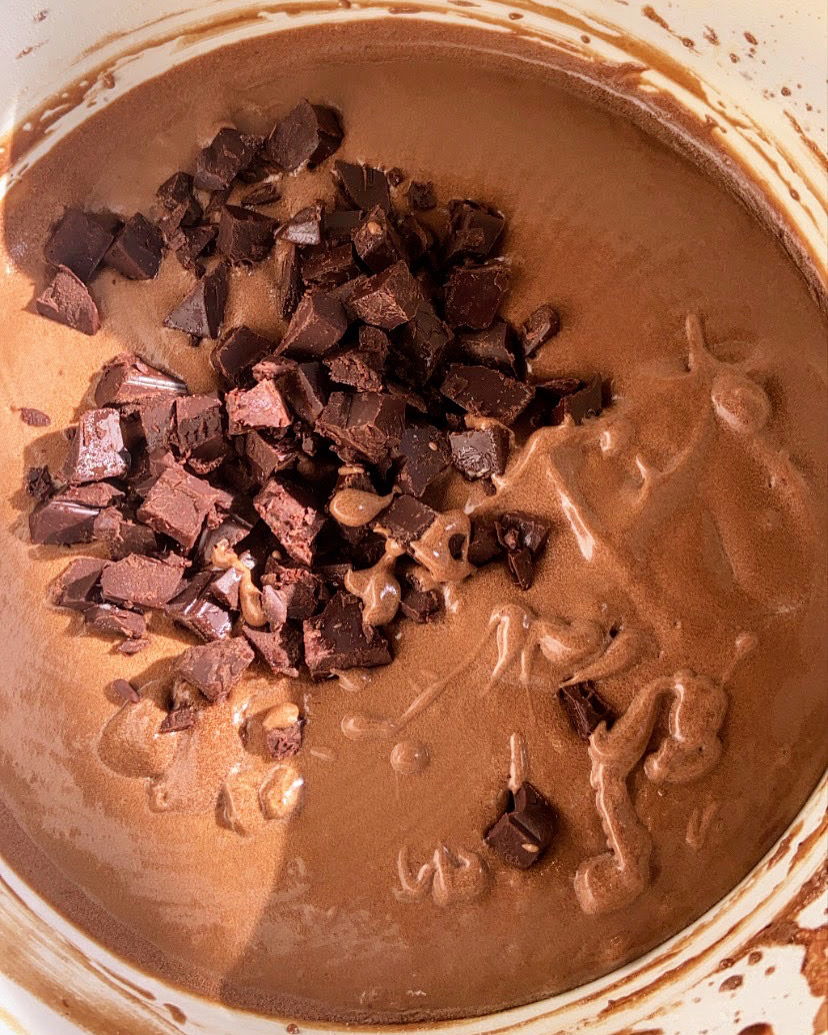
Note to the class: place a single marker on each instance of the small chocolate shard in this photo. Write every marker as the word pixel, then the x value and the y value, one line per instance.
pixel 305 226
pixel 376 242
pixel 387 299
pixel 395 176
pixel 122 535
pixel 521 566
pixel 117 621
pixel 308 133
pixel 123 690
pixel 340 224
pixel 420 345
pixel 261 407
pixel 316 326
pixel 421 196
pixel 407 519
pixel 176 195
pixel 292 515
pixel 244 235
pixel 280 648
pixel 179 719
pixel 420 600
pixel 484 546
pixel 362 366
pixel 481 452
pixel 59 521
pixel 131 647
pixel 140 581
pixel 224 588
pixel 39 483
pixel 424 457
pixel 540 327
pixel 365 187
pixel 215 668
pixel 367 424
pixel 288 277
pixel 199 435
pixel 525 830
pixel 78 242
pixel 191 608
pixel 585 708
pixel 266 456
pixel 415 240
pixel 237 351
pixel 329 266
pixel 178 504
pixel 298 590
pixel 475 230
pixel 337 639
pixel 34 418
pixel 190 243
pixel 97 448
pixel 67 300
pixel 77 588
pixel 474 295
pixel 127 380
pixel 517 530
pixel 485 392
pixel 137 250
pixel 155 423
pixel 264 194
pixel 229 153
pixel 491 347
pixel 201 312
pixel 583 401
pixel 284 742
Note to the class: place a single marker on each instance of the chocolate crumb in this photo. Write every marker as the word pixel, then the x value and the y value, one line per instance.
pixel 539 328
pixel 34 418
pixel 421 196
pixel 123 689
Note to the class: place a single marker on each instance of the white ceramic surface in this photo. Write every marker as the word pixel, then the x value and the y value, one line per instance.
pixel 759 68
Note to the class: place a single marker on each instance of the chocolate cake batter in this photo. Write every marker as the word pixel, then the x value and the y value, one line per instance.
pixel 685 574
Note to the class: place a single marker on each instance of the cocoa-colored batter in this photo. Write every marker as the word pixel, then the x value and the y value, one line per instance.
pixel 685 570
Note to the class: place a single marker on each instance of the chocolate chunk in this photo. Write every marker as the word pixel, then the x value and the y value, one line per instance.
pixel 474 295
pixel 140 581
pixel 542 325
pixel 484 546
pixel 329 265
pixel 137 249
pixel 266 457
pixel 521 566
pixel 265 194
pixel 369 424
pixel 177 196
pixel 191 242
pixel 415 239
pixel 224 588
pixel 77 587
pixel 230 153
pixel 239 349
pixel 340 224
pixel 492 347
pixel 525 830
pixel 421 195
pixel 583 400
pixel 123 690
pixel 337 639
pixel 305 226
pixel 585 708
pixel 475 230
pixel 298 589
pixel 198 428
pixel 387 299
pixel 486 393
pixel 78 242
pixel 517 530
pixel 407 519
pixel 178 504
pixel 292 516
pixel 395 176
pixel 480 453
pixel 424 457
pixel 59 521
pixel 289 278
pixel 39 484
pixel 192 609
pixel 243 235
pixel 234 527
pixel 280 648
pixel 376 242
pixel 95 494
pixel 127 379
pixel 316 326
pixel 202 310
pixel 421 345
pixel 420 605
pixel 215 668
pixel 122 535
pixel 284 742
pixel 178 720
pixel 67 300
pixel 155 424
pixel 308 133
pixel 260 407
pixel 97 448
pixel 305 389
pixel 363 366
pixel 363 186
pixel 107 618
pixel 34 418
pixel 130 647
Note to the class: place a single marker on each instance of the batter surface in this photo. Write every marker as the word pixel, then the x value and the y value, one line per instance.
pixel 686 564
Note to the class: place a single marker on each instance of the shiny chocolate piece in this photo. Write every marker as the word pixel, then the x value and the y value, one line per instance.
pixel 407 519
pixel 308 133
pixel 264 194
pixel 424 456
pixel 337 639
pixel 387 299
pixel 367 424
pixel 376 241
pixel 141 581
pixel 178 504
pixel 244 235
pixel 292 515
pixel 191 243
pixel 474 295
pixel 288 278
pixel 78 586
pixel 137 250
pixel 237 351
pixel 363 186
pixel 298 590
pixel 492 347
pixel 329 266
pixel 78 242
pixel 215 668
pixel 67 300
pixel 229 153
pixel 525 830
pixel 305 226
pixel 97 448
pixel 480 452
pixel 192 609
pixel 115 621
pixel 177 197
pixel 475 230
pixel 127 379
pixel 315 327
pixel 201 312
pixel 540 327
pixel 262 406
pixel 280 648
pixel 585 708
pixel 420 345
pixel 485 392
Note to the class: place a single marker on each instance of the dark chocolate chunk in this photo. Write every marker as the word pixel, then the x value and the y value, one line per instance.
pixel 140 581
pixel 59 521
pixel 179 719
pixel 238 350
pixel 97 448
pixel 484 546
pixel 155 424
pixel 474 295
pixel 127 379
pixel 521 566
pixel 486 393
pixel 285 742
pixel 67 300
pixel 230 153
pixel 369 424
pixel 289 278
pixel 585 708
pixel 424 457
pixel 337 639
pixel 308 133
pixel 363 186
pixel 198 428
pixel 215 668
pixel 407 519
pixel 192 609
pixel 244 235
pixel 298 590
pixel 78 242
pixel 94 494
pixel 480 453
pixel 316 326
pixel 137 249
pixel 305 388
pixel 261 407
pixel 305 226
pixel 340 224
pixel 542 325
pixel 279 648
pixel 361 366
pixel 122 535
pixel 107 618
pixel 420 345
pixel 525 830
pixel 517 530
pixel 34 418
pixel 265 194
pixel 395 176
pixel 39 484
pixel 491 347
pixel 77 587
pixel 475 230
pixel 178 504
pixel 293 517
pixel 124 691
pixel 329 265
pixel 266 456
pixel 202 310
pixel 415 239
pixel 177 196
pixel 419 600
pixel 191 242
pixel 585 400
pixel 421 195
pixel 224 588
pixel 387 299
pixel 376 242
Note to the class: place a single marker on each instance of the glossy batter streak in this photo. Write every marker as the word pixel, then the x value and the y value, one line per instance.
pixel 685 573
